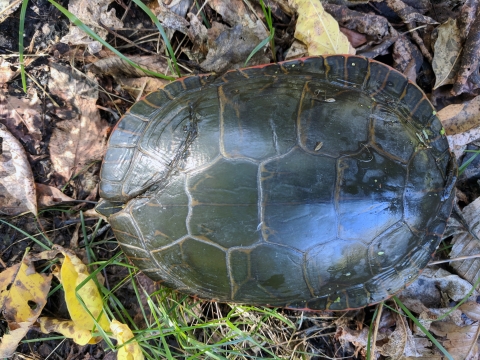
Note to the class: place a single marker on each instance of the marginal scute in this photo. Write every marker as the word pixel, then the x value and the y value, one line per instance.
pixel 390 247
pixel 423 190
pixel 267 279
pixel 317 183
pixel 331 266
pixel 128 131
pixel 391 134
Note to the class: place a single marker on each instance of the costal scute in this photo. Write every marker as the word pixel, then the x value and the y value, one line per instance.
pixel 318 183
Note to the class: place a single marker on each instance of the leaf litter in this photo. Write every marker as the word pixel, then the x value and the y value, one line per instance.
pixel 417 39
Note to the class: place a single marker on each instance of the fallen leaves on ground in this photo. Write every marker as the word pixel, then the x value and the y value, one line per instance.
pixel 318 30
pixel 466 243
pixel 17 188
pixel 79 140
pixel 447 52
pixel 92 14
pixel 461 123
pixel 23 295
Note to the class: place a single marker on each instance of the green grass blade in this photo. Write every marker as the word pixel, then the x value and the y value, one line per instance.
pixel 152 16
pixel 259 46
pixel 21 31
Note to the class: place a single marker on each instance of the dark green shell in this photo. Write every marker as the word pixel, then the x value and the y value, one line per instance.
pixel 319 183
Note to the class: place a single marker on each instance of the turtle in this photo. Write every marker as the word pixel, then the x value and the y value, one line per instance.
pixel 321 183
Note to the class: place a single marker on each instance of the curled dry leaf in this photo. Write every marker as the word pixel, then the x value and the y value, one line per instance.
pixel 80 139
pixel 6 73
pixel 71 274
pixel 120 69
pixel 468 77
pixel 123 334
pixel 169 18
pixel 461 123
pixel 50 196
pixel 91 13
pixel 7 7
pixel 22 116
pixel 17 188
pixel 471 309
pixel 23 295
pixel 229 47
pixel 464 244
pixel 447 51
pixel 318 29
pixel 67 328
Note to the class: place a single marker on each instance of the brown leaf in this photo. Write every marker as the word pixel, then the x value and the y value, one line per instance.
pixel 408 13
pixel 91 13
pixel 230 47
pixel 17 189
pixel 6 73
pixel 471 309
pixel 81 138
pixel 7 7
pixel 468 77
pixel 461 123
pixel 116 67
pixel 50 196
pixel 406 56
pixel 137 87
pixel 447 51
pixel 464 244
pixel 23 118
pixel 354 38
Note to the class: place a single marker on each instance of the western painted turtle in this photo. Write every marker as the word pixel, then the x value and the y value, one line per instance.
pixel 319 183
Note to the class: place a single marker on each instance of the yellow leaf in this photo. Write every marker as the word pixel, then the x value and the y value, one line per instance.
pixel 23 294
pixel 130 351
pixel 67 328
pixel 318 30
pixel 72 274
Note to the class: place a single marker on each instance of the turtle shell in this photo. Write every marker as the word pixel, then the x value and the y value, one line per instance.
pixel 319 183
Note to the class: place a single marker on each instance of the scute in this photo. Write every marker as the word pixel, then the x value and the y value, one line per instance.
pixel 317 183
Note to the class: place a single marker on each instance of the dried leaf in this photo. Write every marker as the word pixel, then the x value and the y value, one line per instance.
pixel 23 295
pixel 468 79
pixel 458 340
pixel 23 118
pixel 296 50
pixel 91 13
pixel 17 188
pixel 80 139
pixel 118 67
pixel 50 196
pixel 130 351
pixel 67 328
pixel 464 244
pixel 7 7
pixel 230 47
pixel 6 73
pixel 71 274
pixel 461 123
pixel 471 309
pixel 447 51
pixel 318 30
